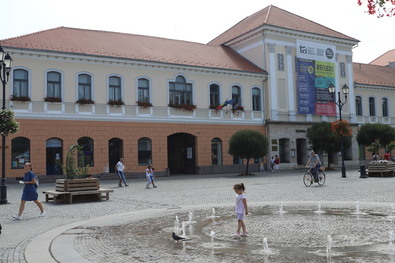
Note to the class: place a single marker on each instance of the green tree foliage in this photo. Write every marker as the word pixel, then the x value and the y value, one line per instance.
pixel 324 139
pixel 371 134
pixel 248 144
pixel 75 167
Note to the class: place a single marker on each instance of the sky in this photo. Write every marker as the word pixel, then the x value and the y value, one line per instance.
pixel 192 20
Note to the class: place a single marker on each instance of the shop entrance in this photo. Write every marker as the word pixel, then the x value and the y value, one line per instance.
pixel 181 153
pixel 54 157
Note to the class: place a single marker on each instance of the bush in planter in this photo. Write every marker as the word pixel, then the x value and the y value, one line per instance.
pixel 85 101
pixel 8 125
pixel 144 104
pixel 52 99
pixel 74 167
pixel 20 98
pixel 116 102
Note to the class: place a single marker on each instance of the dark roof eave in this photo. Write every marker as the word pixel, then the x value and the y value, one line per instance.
pixel 263 72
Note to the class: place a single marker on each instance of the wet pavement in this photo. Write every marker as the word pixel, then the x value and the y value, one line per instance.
pixel 135 225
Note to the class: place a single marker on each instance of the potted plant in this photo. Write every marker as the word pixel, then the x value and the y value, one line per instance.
pixel 19 98
pixel 144 104
pixel 75 167
pixel 187 107
pixel 116 102
pixel 53 99
pixel 85 101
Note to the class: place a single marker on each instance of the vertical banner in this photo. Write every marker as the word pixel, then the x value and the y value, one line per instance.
pixel 316 71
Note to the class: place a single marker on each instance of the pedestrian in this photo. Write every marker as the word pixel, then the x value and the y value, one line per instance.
pixel 261 166
pixel 149 173
pixel 241 209
pixel 30 182
pixel 120 168
pixel 276 164
pixel 272 164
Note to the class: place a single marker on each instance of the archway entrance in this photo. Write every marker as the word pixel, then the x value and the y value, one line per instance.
pixel 115 152
pixel 181 153
pixel 54 156
pixel 301 151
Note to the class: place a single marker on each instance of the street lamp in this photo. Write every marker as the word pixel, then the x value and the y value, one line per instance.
pixel 5 68
pixel 340 104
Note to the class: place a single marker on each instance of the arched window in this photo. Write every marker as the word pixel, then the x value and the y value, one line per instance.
pixel 385 107
pixel 143 90
pixel 87 149
pixel 84 87
pixel 372 107
pixel 216 151
pixel 145 151
pixel 21 83
pixel 20 152
pixel 180 92
pixel 236 96
pixel 214 95
pixel 54 85
pixel 114 88
pixel 256 99
pixel 358 105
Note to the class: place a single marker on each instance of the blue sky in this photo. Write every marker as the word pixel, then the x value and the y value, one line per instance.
pixel 191 20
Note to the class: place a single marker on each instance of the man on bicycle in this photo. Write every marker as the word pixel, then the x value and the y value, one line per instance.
pixel 314 164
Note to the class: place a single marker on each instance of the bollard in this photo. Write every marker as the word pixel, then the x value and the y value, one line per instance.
pixel 362 170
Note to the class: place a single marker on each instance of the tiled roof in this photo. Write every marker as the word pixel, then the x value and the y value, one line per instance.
pixel 278 17
pixel 130 46
pixel 374 75
pixel 385 59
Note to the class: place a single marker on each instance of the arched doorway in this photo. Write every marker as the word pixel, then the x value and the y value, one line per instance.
pixel 115 152
pixel 181 153
pixel 54 156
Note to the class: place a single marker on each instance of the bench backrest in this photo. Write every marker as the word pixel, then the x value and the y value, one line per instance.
pixel 64 185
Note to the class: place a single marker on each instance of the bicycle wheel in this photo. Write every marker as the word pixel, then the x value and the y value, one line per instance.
pixel 307 179
pixel 321 178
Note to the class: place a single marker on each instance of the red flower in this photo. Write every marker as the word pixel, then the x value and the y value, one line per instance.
pixel 341 128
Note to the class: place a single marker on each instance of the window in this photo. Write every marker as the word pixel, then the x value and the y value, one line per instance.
pixel 236 96
pixel 54 85
pixel 214 95
pixel 216 151
pixel 21 83
pixel 372 107
pixel 143 90
pixel 342 69
pixel 358 105
pixel 256 99
pixel 385 107
pixel 87 148
pixel 145 151
pixel 20 152
pixel 115 89
pixel 280 62
pixel 180 92
pixel 84 87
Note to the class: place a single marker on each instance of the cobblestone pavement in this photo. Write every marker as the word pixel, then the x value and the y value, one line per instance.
pixel 181 191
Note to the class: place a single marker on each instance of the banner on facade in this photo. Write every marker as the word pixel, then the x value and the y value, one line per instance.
pixel 315 72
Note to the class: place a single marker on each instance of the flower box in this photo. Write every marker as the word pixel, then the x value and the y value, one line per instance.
pixel 144 104
pixel 116 102
pixel 186 107
pixel 20 98
pixel 52 99
pixel 85 101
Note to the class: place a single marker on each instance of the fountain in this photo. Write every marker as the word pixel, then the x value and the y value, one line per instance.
pixel 329 246
pixel 177 225
pixel 319 211
pixel 183 229
pixel 265 247
pixel 212 235
pixel 357 210
pixel 281 210
pixel 190 216
pixel 391 240
pixel 392 212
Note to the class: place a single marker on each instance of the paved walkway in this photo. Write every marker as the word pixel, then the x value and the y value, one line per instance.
pixel 28 240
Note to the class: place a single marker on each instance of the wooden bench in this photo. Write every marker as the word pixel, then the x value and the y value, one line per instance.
pixel 65 190
pixel 381 169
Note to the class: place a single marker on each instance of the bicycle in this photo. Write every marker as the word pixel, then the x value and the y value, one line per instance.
pixel 308 178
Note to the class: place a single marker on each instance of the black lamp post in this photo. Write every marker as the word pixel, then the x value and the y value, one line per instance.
pixel 5 68
pixel 340 104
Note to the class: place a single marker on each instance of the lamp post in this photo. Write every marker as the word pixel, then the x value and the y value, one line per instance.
pixel 340 104
pixel 5 68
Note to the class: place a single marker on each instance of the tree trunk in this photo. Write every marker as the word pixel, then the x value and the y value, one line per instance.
pixel 246 172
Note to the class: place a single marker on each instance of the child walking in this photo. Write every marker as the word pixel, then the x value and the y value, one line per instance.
pixel 149 172
pixel 241 209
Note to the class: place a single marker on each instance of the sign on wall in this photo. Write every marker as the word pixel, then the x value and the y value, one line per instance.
pixel 315 72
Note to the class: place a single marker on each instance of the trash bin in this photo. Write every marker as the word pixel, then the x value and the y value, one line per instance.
pixel 362 170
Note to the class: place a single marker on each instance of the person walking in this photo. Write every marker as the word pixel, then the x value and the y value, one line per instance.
pixel 272 164
pixel 120 168
pixel 276 164
pixel 261 166
pixel 149 173
pixel 241 209
pixel 30 182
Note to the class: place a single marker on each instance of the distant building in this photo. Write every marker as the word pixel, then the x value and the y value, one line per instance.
pixel 156 100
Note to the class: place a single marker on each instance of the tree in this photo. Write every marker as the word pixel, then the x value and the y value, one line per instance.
pixel 376 136
pixel 74 167
pixel 8 125
pixel 326 137
pixel 248 144
pixel 379 7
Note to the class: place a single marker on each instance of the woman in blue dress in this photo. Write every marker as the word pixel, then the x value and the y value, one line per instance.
pixel 29 191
